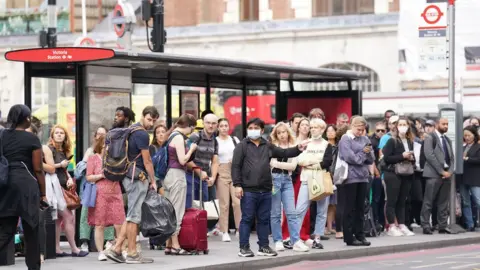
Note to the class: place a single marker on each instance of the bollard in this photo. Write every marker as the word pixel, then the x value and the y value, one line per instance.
pixel 7 255
pixel 50 252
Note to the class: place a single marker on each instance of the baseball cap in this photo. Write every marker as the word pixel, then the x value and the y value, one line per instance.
pixel 430 123
pixel 393 119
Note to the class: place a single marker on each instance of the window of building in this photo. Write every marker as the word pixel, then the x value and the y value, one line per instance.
pixel 249 10
pixel 394 5
pixel 341 7
pixel 371 84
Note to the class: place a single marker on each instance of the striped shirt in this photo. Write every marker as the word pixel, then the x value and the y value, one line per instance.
pixel 206 149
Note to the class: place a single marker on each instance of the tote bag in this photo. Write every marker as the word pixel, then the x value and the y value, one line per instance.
pixel 317 190
pixel 89 194
pixel 341 171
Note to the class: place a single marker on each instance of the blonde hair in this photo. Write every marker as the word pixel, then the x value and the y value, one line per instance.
pixel 273 134
pixel 358 121
pixel 318 122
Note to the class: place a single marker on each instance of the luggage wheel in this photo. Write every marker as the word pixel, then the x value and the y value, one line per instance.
pixel 205 252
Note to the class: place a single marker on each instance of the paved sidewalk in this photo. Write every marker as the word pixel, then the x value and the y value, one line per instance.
pixel 224 255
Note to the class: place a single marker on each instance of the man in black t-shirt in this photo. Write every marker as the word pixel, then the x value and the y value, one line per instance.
pixel 136 189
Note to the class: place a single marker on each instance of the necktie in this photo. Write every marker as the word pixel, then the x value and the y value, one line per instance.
pixel 445 150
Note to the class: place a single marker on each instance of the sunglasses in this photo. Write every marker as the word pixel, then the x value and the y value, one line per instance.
pixel 381 130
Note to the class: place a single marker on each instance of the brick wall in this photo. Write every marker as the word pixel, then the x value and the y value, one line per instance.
pixel 193 12
pixel 394 6
pixel 282 9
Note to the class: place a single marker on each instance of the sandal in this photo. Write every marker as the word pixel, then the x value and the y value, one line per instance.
pixel 179 251
pixel 168 251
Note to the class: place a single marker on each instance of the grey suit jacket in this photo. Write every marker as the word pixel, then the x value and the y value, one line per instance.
pixel 435 158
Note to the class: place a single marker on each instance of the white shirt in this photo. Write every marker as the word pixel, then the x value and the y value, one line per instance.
pixel 440 135
pixel 225 149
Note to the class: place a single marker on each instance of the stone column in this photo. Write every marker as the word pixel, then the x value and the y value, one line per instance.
pixel 232 11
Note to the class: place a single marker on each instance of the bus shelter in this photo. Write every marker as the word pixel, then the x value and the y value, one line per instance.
pixel 86 85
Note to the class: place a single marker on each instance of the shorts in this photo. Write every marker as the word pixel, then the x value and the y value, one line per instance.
pixel 136 193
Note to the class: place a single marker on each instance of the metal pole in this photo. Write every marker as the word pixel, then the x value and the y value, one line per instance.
pixel 52 23
pixel 84 18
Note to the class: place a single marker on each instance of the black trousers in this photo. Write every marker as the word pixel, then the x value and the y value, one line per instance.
pixel 340 208
pixel 414 201
pixel 398 189
pixel 353 212
pixel 8 227
pixel 378 201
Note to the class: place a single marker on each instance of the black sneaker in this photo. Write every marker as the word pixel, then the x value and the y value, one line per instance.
pixel 287 244
pixel 245 252
pixel 267 251
pixel 317 245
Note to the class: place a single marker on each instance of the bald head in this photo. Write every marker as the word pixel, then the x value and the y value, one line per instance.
pixel 210 122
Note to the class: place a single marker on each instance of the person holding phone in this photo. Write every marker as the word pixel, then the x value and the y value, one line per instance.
pixel 398 176
pixel 58 154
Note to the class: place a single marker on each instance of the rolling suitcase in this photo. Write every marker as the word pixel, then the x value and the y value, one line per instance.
pixel 193 234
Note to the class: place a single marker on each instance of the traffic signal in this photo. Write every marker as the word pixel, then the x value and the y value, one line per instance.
pixel 158 35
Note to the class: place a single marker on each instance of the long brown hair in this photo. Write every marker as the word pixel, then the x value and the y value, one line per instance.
pixel 184 121
pixel 409 135
pixel 154 139
pixel 66 146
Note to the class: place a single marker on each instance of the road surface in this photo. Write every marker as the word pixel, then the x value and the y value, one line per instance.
pixel 452 258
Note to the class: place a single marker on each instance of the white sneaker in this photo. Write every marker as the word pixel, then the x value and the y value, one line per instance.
pixel 124 254
pixel 405 231
pixel 216 232
pixel 279 246
pixel 226 237
pixel 309 242
pixel 102 257
pixel 237 234
pixel 84 247
pixel 415 225
pixel 300 246
pixel 108 245
pixel 394 231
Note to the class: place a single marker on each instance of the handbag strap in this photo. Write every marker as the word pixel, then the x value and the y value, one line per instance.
pixel 1 141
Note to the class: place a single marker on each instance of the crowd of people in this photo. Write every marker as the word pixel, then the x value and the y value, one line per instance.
pixel 394 180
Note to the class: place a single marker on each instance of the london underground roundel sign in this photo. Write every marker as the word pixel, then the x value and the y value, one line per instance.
pixel 119 20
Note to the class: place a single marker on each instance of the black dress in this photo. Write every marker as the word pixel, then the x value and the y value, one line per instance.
pixel 21 196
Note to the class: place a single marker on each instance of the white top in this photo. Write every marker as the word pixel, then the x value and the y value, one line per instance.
pixel 405 145
pixel 225 149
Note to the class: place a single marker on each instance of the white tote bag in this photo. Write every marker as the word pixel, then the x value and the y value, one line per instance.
pixel 341 171
pixel 210 206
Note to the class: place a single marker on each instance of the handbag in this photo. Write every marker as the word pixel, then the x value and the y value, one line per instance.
pixel 315 186
pixel 211 207
pixel 404 168
pixel 71 197
pixel 341 171
pixel 328 184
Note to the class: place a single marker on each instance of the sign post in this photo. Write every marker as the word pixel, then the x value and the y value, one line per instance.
pixel 454 113
pixel 432 33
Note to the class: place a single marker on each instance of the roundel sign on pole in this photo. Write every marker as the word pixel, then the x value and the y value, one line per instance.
pixel 119 22
pixel 434 16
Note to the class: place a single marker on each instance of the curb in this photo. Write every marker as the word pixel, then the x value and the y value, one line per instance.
pixel 336 255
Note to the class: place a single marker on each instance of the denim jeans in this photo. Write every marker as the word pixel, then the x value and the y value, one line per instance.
pixel 188 176
pixel 465 191
pixel 303 203
pixel 283 194
pixel 255 205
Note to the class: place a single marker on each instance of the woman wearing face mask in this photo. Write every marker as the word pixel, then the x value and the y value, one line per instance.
pixel 225 188
pixel 356 150
pixel 397 153
pixel 311 162
pixel 470 184
pixel 175 183
pixel 303 134
pixel 283 193
pixel 57 154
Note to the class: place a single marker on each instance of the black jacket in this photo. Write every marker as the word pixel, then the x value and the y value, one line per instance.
pixel 471 167
pixel 251 164
pixel 328 157
pixel 393 152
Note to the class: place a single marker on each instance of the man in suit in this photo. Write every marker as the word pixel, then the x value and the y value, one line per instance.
pixel 437 171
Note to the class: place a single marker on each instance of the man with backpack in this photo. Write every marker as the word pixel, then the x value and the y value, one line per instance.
pixel 206 158
pixel 124 117
pixel 137 175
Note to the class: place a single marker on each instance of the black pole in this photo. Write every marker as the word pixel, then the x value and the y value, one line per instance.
pixel 158 32
pixel 208 93
pixel 52 24
pixel 169 99
pixel 244 107
pixel 27 81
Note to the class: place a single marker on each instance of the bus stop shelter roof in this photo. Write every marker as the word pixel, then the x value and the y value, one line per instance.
pixel 162 68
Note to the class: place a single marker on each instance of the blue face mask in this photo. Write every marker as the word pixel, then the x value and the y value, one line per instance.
pixel 253 134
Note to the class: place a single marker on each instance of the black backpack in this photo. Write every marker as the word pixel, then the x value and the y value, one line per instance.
pixel 3 162
pixel 115 159
pixel 423 160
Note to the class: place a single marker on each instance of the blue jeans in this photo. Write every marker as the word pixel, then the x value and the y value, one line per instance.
pixel 188 176
pixel 465 192
pixel 284 194
pixel 303 203
pixel 255 205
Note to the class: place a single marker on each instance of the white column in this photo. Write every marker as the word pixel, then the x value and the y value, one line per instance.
pixel 266 14
pixel 382 6
pixel 303 8
pixel 232 12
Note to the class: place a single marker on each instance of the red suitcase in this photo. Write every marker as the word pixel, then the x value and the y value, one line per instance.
pixel 193 233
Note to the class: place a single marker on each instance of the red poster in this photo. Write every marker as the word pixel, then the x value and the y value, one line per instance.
pixel 330 106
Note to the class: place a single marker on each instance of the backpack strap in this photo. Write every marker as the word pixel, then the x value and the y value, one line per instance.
pixel 1 141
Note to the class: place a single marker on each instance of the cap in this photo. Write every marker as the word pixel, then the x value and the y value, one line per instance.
pixel 430 123
pixel 393 119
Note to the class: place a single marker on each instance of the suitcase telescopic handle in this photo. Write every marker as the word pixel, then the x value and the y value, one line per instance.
pixel 200 197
